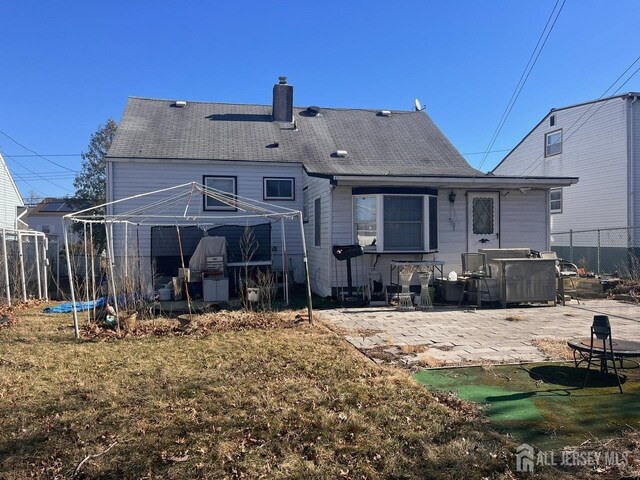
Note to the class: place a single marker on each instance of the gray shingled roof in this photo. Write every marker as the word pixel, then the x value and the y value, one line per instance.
pixel 405 143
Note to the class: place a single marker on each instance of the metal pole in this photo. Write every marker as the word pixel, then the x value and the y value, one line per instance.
pixel 86 272
pixel 58 292
pixel 45 264
pixel 305 260
pixel 74 308
pixel 35 245
pixel 285 265
pixel 93 268
pixel 21 256
pixel 598 252
pixel 109 231
pixel 126 250
pixel 6 265
pixel 571 245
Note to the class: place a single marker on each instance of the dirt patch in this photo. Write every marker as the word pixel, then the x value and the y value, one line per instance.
pixel 514 318
pixel 412 349
pixel 429 361
pixel 554 348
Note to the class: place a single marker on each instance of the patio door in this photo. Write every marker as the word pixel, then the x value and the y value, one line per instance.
pixel 483 220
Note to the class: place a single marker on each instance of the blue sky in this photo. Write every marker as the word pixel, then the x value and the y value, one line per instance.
pixel 68 66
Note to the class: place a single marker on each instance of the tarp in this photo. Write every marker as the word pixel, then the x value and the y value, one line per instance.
pixel 208 247
pixel 80 306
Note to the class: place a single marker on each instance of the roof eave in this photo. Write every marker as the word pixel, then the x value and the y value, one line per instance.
pixel 488 181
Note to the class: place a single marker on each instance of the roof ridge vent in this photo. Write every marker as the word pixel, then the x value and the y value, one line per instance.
pixel 180 104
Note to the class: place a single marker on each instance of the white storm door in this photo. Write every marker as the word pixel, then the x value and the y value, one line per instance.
pixel 483 220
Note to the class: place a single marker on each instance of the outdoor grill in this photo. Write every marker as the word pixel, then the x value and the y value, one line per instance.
pixel 347 252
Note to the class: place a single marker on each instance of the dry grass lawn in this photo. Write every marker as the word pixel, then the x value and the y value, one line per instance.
pixel 273 402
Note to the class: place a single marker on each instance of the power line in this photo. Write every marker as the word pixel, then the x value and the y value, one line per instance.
pixel 34 152
pixel 37 174
pixel 600 105
pixel 49 155
pixel 533 59
pixel 483 152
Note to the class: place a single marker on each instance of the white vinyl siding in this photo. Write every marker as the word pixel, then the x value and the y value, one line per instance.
pixel 320 258
pixel 129 178
pixel 10 199
pixel 596 153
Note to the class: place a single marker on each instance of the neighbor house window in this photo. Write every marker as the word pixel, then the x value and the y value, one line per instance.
pixel 392 221
pixel 317 226
pixel 365 208
pixel 305 204
pixel 279 189
pixel 553 143
pixel 45 229
pixel 222 194
pixel 555 200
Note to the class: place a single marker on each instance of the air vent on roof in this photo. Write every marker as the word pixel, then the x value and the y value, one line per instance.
pixel 314 111
pixel 180 104
pixel 341 153
pixel 384 113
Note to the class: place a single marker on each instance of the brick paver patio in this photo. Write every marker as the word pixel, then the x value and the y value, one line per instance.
pixel 455 336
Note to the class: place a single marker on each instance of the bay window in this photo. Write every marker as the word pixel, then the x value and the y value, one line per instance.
pixel 391 220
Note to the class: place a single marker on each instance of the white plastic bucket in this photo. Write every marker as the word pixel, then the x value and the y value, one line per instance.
pixel 164 294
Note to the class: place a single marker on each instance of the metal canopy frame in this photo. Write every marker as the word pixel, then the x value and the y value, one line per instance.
pixel 155 213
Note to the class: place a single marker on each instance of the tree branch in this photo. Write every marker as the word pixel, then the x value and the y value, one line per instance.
pixel 89 457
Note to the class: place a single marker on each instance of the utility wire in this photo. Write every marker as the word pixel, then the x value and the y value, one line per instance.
pixel 600 105
pixel 35 153
pixel 533 59
pixel 38 175
pixel 49 155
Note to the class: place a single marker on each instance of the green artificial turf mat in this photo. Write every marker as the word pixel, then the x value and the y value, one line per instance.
pixel 544 404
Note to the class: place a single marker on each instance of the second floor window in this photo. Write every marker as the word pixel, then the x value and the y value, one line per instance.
pixel 553 143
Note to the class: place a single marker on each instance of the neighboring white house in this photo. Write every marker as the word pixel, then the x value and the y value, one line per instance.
pixel 11 203
pixel 597 141
pixel 389 180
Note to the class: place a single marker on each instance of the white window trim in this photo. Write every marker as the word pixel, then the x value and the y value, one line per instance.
pixel 264 188
pixel 556 210
pixel 546 144
pixel 224 208
pixel 380 222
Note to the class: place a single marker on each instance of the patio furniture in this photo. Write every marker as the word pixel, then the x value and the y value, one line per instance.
pixel 347 252
pixel 424 301
pixel 436 266
pixel 475 273
pixel 376 289
pixel 405 302
pixel 565 271
pixel 601 330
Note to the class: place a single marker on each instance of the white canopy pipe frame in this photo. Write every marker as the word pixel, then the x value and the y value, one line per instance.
pixel 21 257
pixel 143 216
pixel 45 264
pixel 39 268
pixel 6 265
pixel 76 329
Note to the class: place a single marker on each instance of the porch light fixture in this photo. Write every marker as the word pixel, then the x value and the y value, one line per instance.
pixel 452 197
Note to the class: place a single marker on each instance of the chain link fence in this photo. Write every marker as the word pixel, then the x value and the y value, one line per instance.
pixel 604 252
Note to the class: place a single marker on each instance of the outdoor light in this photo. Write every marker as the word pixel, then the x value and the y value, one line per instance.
pixel 452 197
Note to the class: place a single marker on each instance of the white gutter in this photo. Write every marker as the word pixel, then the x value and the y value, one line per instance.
pixel 477 182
